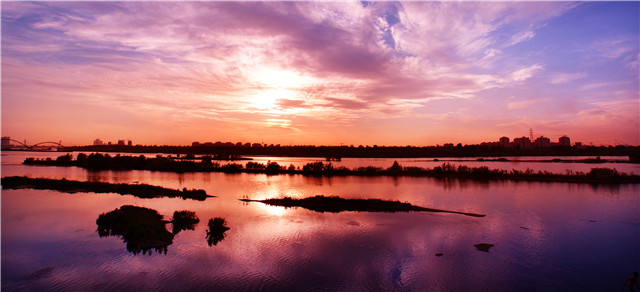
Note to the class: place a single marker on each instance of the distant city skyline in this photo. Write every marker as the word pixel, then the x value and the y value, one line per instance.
pixel 504 142
pixel 320 73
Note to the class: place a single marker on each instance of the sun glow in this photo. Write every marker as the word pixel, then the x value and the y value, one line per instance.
pixel 278 90
pixel 274 210
pixel 269 101
pixel 279 78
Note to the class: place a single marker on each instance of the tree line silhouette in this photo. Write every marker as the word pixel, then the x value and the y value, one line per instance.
pixel 374 151
pixel 98 161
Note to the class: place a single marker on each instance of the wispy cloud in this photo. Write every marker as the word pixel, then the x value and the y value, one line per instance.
pixel 525 73
pixel 614 48
pixel 520 37
pixel 560 78
pixel 516 105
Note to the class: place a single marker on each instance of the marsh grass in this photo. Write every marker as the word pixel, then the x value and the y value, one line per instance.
pixel 336 204
pixel 71 186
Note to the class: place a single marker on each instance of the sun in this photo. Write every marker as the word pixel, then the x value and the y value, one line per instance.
pixel 268 100
pixel 274 85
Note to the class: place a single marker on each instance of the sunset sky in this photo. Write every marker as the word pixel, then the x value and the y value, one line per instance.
pixel 323 73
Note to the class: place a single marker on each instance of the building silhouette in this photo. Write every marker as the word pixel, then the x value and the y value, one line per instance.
pixel 6 142
pixel 504 142
pixel 542 142
pixel 526 143
pixel 522 143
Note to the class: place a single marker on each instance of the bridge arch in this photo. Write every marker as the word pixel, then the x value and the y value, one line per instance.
pixel 59 144
pixel 20 143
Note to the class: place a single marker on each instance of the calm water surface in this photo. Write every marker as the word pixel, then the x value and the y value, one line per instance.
pixel 547 236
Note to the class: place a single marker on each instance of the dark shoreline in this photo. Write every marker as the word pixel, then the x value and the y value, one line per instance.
pixel 375 151
pixel 336 204
pixel 70 186
pixel 97 161
pixel 594 160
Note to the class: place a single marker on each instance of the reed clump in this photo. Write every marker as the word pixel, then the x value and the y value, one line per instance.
pixel 142 229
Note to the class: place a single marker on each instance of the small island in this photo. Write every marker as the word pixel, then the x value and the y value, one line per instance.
pixel 336 204
pixel 184 220
pixel 71 186
pixel 142 229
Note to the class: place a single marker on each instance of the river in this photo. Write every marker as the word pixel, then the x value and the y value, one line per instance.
pixel 545 236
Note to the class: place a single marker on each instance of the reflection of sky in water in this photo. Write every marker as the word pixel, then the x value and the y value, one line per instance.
pixel 49 239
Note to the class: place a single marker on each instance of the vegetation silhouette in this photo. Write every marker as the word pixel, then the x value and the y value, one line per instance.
pixel 159 163
pixel 632 281
pixel 71 186
pixel 216 231
pixel 224 156
pixel 484 246
pixel 367 151
pixel 336 204
pixel 142 229
pixel 184 220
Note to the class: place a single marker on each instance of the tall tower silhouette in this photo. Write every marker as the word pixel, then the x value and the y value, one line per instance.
pixel 530 134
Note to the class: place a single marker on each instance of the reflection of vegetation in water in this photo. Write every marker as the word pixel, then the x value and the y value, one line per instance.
pixel 142 229
pixel 216 230
pixel 184 220
pixel 40 274
pixel 337 204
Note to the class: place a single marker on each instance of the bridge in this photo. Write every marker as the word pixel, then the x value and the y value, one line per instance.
pixel 24 144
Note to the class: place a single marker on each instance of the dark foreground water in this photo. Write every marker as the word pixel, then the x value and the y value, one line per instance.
pixel 546 236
